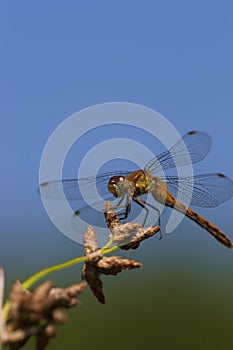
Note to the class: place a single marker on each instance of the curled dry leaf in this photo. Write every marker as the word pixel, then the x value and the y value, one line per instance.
pixel 112 265
pixel 129 235
pixel 111 218
pixel 89 271
pixel 141 235
pixel 91 275
pixel 90 242
pixel 98 264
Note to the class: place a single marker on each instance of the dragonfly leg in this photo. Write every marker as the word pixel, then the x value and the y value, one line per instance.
pixel 127 210
pixel 144 205
pixel 127 207
pixel 137 200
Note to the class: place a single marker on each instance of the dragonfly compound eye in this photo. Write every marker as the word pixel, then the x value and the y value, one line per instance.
pixel 115 179
pixel 114 183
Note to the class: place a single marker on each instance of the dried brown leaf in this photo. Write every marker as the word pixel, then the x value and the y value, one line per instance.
pixel 128 235
pixel 112 265
pixel 142 235
pixel 111 218
pixel 28 309
pixel 90 242
pixel 91 275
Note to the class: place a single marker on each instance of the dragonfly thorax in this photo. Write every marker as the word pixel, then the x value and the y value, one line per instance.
pixel 119 186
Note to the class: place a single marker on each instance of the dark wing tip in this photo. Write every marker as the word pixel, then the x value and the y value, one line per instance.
pixel 221 175
pixel 43 184
pixel 76 213
pixel 192 132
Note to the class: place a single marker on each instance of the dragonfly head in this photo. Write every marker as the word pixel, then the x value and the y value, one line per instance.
pixel 118 186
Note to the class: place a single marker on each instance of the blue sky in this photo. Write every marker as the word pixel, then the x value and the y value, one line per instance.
pixel 59 57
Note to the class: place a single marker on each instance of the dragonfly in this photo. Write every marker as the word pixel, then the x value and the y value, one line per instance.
pixel 205 190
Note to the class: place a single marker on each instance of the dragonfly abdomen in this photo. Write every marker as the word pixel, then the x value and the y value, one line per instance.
pixel 200 220
pixel 208 226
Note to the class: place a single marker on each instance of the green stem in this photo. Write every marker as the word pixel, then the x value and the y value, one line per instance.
pixel 109 250
pixel 108 244
pixel 42 273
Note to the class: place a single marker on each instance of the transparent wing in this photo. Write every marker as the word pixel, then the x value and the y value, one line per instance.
pixel 198 145
pixel 209 190
pixel 74 188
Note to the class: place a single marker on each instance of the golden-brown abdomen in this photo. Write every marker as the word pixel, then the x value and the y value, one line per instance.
pixel 200 220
